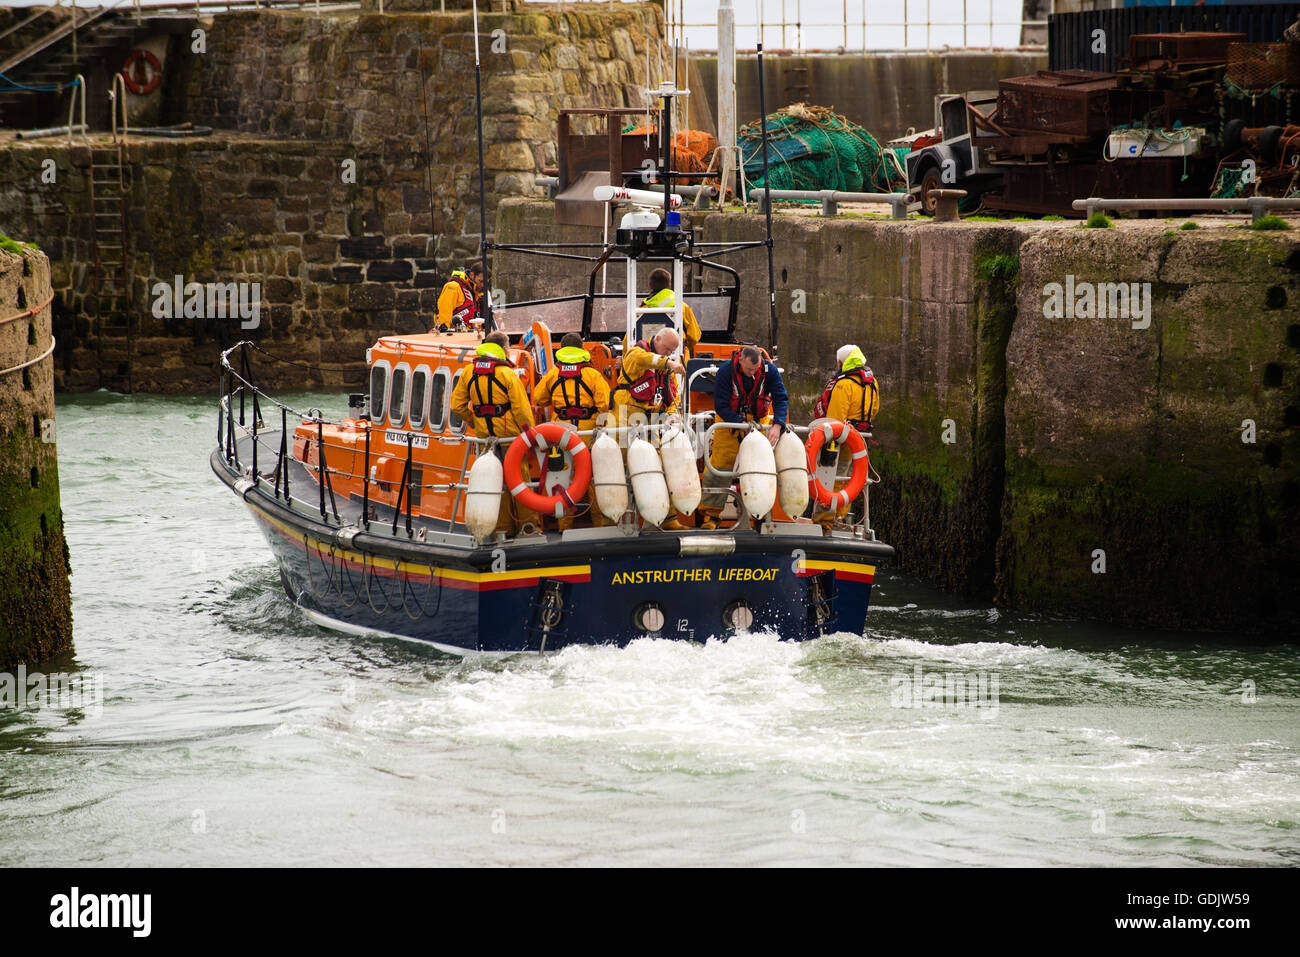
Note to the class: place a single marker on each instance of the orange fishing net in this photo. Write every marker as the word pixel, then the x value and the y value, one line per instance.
pixel 694 151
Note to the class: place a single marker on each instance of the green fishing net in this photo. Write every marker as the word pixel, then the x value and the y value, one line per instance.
pixel 813 147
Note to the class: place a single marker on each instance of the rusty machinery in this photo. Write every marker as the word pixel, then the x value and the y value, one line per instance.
pixel 1048 132
pixel 1047 135
pixel 1275 150
pixel 590 159
pixel 607 157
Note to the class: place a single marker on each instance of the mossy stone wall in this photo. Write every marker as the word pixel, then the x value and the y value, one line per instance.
pixel 35 598
pixel 1170 450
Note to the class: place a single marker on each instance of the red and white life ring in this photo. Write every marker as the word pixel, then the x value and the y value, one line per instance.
pixel 564 500
pixel 142 72
pixel 835 431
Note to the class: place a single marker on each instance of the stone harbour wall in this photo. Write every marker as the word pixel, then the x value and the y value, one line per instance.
pixel 1152 471
pixel 322 184
pixel 1072 466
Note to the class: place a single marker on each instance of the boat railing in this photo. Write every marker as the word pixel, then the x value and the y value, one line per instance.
pixel 862 528
pixel 241 414
pixel 238 391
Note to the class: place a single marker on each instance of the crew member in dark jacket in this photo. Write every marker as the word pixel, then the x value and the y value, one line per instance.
pixel 748 389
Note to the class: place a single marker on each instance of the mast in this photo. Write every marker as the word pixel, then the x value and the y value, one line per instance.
pixel 767 201
pixel 488 324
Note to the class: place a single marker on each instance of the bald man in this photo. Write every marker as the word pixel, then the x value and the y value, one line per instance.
pixel 647 379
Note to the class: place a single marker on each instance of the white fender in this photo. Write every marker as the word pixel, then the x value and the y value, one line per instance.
pixel 648 482
pixel 756 465
pixel 792 474
pixel 608 476
pixel 679 470
pixel 483 496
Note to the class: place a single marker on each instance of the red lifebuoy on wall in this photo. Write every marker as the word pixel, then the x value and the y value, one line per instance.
pixel 564 500
pixel 142 72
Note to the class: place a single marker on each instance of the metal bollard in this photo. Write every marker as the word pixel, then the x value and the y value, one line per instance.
pixel 945 204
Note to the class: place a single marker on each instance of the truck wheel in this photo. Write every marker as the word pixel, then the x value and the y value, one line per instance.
pixel 930 181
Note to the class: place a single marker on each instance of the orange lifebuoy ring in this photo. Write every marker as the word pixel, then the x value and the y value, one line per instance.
pixel 834 430
pixel 564 500
pixel 142 72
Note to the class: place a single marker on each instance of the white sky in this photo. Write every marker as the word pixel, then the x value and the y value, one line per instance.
pixel 823 22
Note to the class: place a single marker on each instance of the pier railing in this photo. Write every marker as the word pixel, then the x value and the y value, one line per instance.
pixel 1257 206
pixel 831 198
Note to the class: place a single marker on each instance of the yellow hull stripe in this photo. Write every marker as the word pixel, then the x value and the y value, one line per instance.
pixel 399 567
pixel 849 568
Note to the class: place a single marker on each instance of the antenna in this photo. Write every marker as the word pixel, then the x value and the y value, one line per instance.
pixel 428 143
pixel 488 324
pixel 767 200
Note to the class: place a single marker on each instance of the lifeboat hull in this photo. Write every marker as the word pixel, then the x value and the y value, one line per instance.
pixel 548 594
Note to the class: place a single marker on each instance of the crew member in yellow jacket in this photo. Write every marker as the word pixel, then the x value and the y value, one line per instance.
pixel 853 396
pixel 493 401
pixel 458 303
pixel 577 394
pixel 647 378
pixel 661 294
pixel 647 388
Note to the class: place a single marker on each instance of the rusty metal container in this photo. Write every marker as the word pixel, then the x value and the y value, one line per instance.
pixel 1178 52
pixel 1043 189
pixel 1069 102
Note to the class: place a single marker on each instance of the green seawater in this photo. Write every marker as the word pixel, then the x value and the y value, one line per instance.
pixel 231 731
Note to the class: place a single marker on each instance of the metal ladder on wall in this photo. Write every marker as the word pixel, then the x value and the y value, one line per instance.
pixel 110 281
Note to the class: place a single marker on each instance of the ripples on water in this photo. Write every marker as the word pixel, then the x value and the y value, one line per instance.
pixel 233 731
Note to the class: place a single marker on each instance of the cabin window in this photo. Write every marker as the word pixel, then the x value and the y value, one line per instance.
pixel 397 395
pixel 419 396
pixel 378 391
pixel 438 399
pixel 457 423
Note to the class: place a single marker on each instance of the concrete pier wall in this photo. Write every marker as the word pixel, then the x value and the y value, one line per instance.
pixel 35 598
pixel 1016 449
pixel 883 92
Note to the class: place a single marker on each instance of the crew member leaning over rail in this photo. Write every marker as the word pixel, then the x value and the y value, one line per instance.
pixel 577 395
pixel 491 398
pixel 748 389
pixel 458 302
pixel 647 388
pixel 647 379
pixel 853 396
